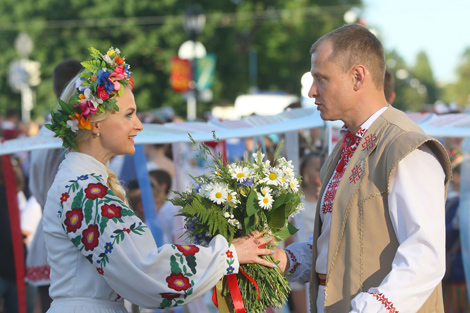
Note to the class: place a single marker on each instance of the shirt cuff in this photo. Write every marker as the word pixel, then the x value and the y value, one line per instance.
pixel 372 302
pixel 231 261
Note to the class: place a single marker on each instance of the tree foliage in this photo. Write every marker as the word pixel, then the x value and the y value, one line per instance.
pixel 150 33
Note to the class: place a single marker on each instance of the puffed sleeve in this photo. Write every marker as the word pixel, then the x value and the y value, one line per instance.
pixel 300 261
pixel 124 252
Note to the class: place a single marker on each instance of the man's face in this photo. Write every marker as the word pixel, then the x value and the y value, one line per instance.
pixel 331 86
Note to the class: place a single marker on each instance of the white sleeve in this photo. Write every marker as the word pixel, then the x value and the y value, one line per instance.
pixel 416 205
pixel 123 251
pixel 300 259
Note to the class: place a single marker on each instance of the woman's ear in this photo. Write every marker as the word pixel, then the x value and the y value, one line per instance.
pixel 359 73
pixel 95 128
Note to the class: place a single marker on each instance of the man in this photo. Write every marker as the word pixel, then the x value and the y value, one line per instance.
pixel 379 235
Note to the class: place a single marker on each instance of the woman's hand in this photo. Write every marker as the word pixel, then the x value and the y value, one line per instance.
pixel 248 249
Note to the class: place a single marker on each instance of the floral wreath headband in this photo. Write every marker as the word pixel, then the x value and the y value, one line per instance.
pixel 103 79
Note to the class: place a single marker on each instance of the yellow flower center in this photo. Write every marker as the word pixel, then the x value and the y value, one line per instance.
pixel 265 200
pixel 243 192
pixel 218 195
pixel 229 197
pixel 240 175
pixel 272 176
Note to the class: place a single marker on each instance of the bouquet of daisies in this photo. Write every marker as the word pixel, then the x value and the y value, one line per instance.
pixel 236 199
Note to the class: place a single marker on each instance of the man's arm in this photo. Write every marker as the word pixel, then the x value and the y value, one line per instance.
pixel 416 206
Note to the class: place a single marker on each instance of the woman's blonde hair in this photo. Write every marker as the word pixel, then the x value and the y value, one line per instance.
pixel 82 135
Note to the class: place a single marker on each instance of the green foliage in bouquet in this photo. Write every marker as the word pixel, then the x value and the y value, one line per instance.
pixel 236 199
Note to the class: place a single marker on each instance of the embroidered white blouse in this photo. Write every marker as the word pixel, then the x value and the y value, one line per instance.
pixel 416 206
pixel 100 252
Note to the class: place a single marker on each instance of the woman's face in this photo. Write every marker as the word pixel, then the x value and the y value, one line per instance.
pixel 117 132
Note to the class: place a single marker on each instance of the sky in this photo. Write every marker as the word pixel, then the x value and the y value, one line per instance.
pixel 440 28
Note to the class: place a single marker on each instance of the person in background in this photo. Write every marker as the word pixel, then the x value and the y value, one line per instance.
pixel 99 251
pixel 379 237
pixel 305 220
pixel 389 86
pixel 454 283
pixel 44 166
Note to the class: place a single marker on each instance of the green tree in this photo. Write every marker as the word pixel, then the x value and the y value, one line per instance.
pixel 407 98
pixel 459 92
pixel 150 33
pixel 423 72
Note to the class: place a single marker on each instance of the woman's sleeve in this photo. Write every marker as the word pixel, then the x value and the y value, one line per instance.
pixel 123 251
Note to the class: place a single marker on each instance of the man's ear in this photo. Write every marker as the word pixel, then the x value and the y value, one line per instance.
pixel 359 73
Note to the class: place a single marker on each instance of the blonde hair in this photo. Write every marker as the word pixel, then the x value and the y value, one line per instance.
pixel 82 135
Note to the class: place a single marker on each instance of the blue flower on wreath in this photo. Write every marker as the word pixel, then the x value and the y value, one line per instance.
pixel 108 247
pixel 230 270
pixel 103 80
pixel 83 177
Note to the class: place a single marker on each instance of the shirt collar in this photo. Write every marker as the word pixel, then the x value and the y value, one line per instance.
pixel 365 126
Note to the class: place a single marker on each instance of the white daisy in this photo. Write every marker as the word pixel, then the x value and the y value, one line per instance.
pixel 274 177
pixel 266 190
pixel 265 201
pixel 218 194
pixel 294 184
pixel 240 173
pixel 232 198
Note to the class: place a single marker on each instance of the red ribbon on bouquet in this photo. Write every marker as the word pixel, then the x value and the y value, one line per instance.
pixel 235 292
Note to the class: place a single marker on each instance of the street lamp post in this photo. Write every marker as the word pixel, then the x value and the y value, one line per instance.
pixel 23 74
pixel 193 23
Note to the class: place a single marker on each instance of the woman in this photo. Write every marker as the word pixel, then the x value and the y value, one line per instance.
pixel 99 251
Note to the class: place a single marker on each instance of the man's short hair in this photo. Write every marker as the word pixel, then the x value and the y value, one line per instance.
pixel 354 44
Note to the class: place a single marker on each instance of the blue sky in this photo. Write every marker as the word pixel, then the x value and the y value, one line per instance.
pixel 440 28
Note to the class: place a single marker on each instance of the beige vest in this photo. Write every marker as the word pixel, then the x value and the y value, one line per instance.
pixel 362 241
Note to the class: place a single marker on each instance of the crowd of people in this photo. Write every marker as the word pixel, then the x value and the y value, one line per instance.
pixel 372 238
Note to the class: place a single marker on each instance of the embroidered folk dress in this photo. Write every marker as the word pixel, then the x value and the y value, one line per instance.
pixel 100 252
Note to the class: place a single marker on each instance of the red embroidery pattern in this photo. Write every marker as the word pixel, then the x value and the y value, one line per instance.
pixel 293 260
pixel 348 148
pixel 388 304
pixel 369 142
pixel 38 273
pixel 356 174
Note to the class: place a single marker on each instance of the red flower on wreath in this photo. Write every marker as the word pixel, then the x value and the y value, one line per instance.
pixel 188 250
pixel 90 237
pixel 178 282
pixel 100 271
pixel 64 197
pixel 111 210
pixel 170 296
pixel 73 220
pixel 94 191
